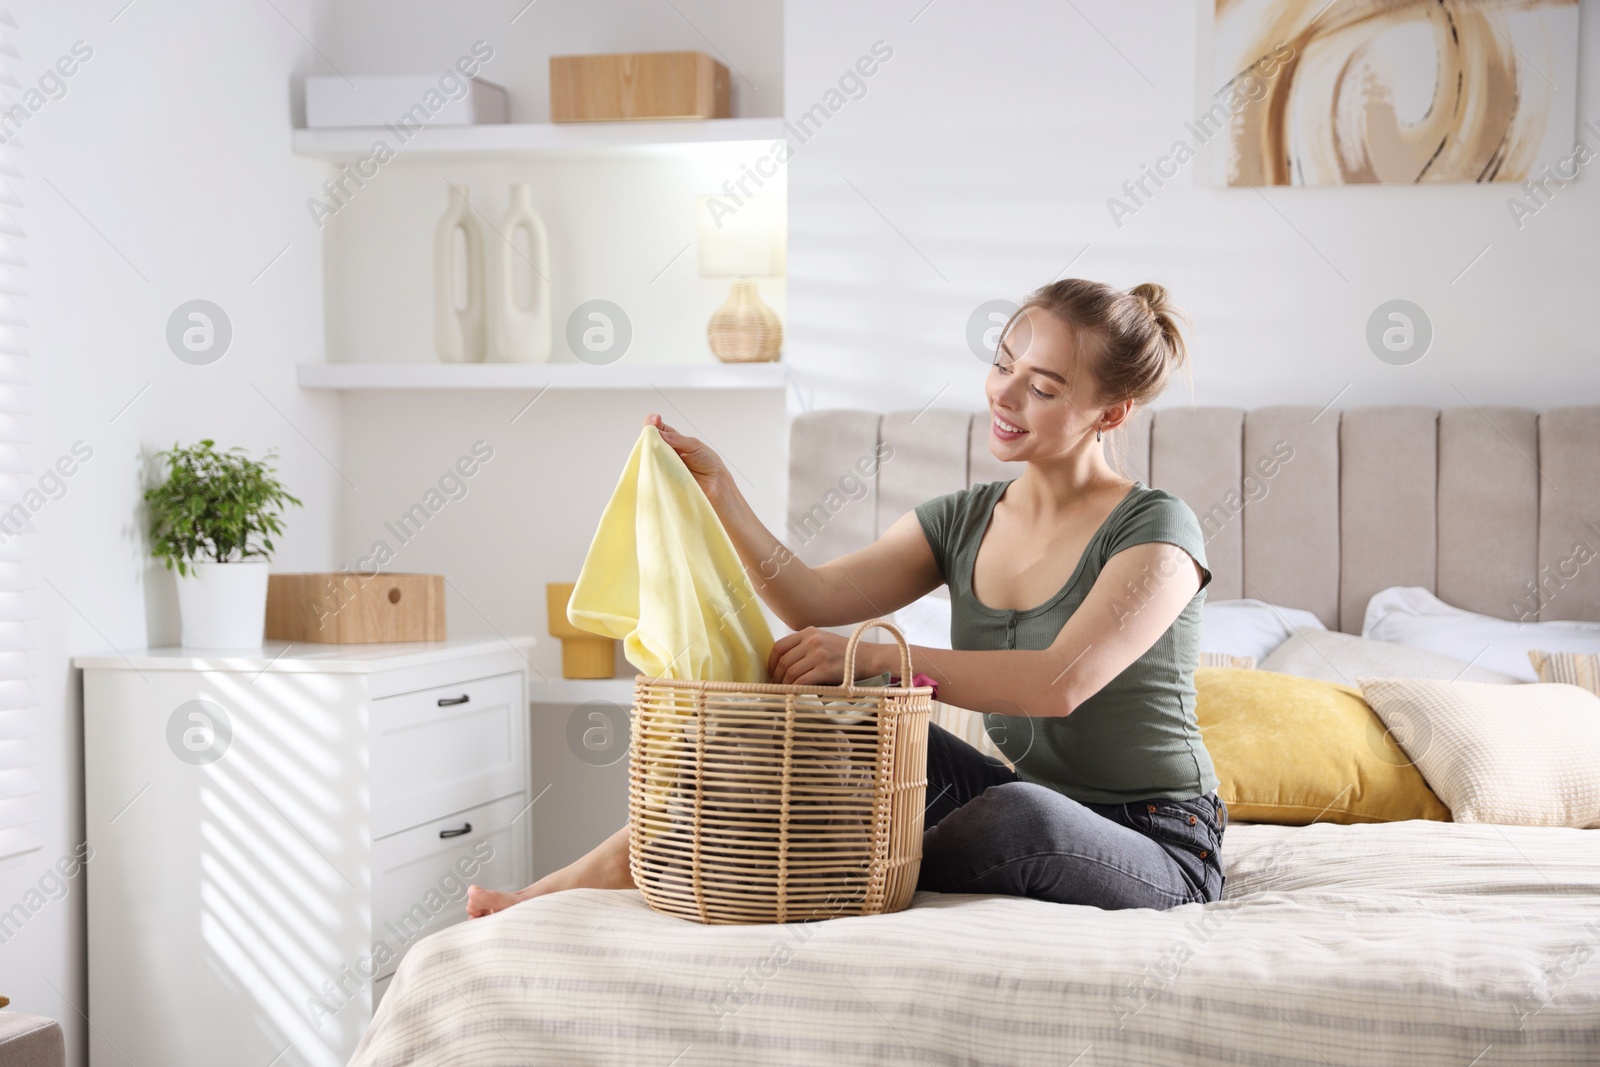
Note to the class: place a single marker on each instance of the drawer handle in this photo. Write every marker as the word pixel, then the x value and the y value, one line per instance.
pixel 447 702
pixel 465 829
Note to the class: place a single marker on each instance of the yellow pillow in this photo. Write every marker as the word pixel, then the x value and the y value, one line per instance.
pixel 1296 750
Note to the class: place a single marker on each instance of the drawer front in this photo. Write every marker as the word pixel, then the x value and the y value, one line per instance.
pixel 420 876
pixel 444 750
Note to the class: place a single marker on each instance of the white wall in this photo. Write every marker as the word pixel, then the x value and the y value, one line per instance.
pixel 984 152
pixel 162 175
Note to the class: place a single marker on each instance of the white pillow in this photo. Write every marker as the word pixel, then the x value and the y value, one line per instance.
pixel 1412 616
pixel 1250 627
pixel 1332 656
pixel 924 622
pixel 1519 755
pixel 1228 627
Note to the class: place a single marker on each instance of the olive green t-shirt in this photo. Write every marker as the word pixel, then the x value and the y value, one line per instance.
pixel 1137 737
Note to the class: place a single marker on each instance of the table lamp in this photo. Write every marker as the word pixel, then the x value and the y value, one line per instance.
pixel 742 241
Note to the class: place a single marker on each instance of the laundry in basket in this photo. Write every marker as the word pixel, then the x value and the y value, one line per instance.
pixel 783 802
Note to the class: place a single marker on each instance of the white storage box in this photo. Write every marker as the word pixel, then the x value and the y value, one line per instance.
pixel 411 99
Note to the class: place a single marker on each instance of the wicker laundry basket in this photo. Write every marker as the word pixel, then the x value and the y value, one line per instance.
pixel 760 803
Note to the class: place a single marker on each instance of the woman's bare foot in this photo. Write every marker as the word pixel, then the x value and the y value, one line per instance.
pixel 481 901
pixel 604 867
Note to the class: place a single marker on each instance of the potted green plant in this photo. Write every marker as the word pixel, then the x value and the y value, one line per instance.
pixel 212 518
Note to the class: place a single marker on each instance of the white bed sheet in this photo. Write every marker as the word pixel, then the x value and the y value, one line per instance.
pixel 1415 943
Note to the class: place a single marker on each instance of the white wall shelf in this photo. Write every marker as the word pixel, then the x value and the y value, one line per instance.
pixel 345 144
pixel 539 375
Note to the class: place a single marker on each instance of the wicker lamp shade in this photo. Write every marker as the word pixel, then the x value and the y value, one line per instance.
pixel 761 803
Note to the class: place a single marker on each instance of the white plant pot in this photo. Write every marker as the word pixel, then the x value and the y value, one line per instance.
pixel 224 605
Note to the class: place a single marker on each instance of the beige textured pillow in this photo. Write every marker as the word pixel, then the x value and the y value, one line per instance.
pixel 1226 659
pixel 1570 668
pixel 1519 755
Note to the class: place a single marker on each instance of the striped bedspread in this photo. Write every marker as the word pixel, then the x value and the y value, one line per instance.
pixel 1409 943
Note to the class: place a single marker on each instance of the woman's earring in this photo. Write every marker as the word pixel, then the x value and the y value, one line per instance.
pixel 1097 433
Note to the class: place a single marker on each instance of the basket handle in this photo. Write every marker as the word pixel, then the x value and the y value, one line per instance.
pixel 850 653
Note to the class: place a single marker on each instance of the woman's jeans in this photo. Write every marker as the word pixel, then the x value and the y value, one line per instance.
pixel 990 832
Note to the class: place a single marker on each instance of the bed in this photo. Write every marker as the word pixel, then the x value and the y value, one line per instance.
pixel 1405 943
pixel 1408 942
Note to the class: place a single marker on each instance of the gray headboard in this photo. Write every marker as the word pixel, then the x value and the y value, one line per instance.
pixel 1494 509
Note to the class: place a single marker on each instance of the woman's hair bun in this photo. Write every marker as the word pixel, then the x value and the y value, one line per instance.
pixel 1154 297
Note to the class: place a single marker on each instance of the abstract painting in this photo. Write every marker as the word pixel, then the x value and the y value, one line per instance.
pixel 1313 92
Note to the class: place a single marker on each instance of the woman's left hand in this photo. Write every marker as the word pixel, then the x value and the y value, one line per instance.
pixel 814 657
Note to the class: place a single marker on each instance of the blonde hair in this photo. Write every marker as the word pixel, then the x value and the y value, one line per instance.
pixel 1129 340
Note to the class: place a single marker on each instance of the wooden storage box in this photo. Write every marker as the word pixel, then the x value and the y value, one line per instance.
pixel 354 609
pixel 638 85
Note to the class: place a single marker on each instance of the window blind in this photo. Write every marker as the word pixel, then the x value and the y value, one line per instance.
pixel 19 706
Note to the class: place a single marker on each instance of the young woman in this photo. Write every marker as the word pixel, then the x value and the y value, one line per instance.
pixel 1075 619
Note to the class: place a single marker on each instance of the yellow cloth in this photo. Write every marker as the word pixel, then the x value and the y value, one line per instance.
pixel 1292 750
pixel 663 577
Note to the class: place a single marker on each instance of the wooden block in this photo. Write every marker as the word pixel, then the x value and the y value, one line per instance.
pixel 638 85
pixel 354 609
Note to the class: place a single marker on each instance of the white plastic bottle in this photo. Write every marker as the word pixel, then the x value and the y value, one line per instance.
pixel 519 317
pixel 459 325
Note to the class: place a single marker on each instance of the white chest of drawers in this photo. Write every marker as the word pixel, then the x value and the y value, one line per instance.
pixel 271 831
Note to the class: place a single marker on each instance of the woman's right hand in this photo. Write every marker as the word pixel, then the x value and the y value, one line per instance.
pixel 706 466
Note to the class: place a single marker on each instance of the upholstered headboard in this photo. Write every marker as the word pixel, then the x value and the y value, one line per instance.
pixel 1494 509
